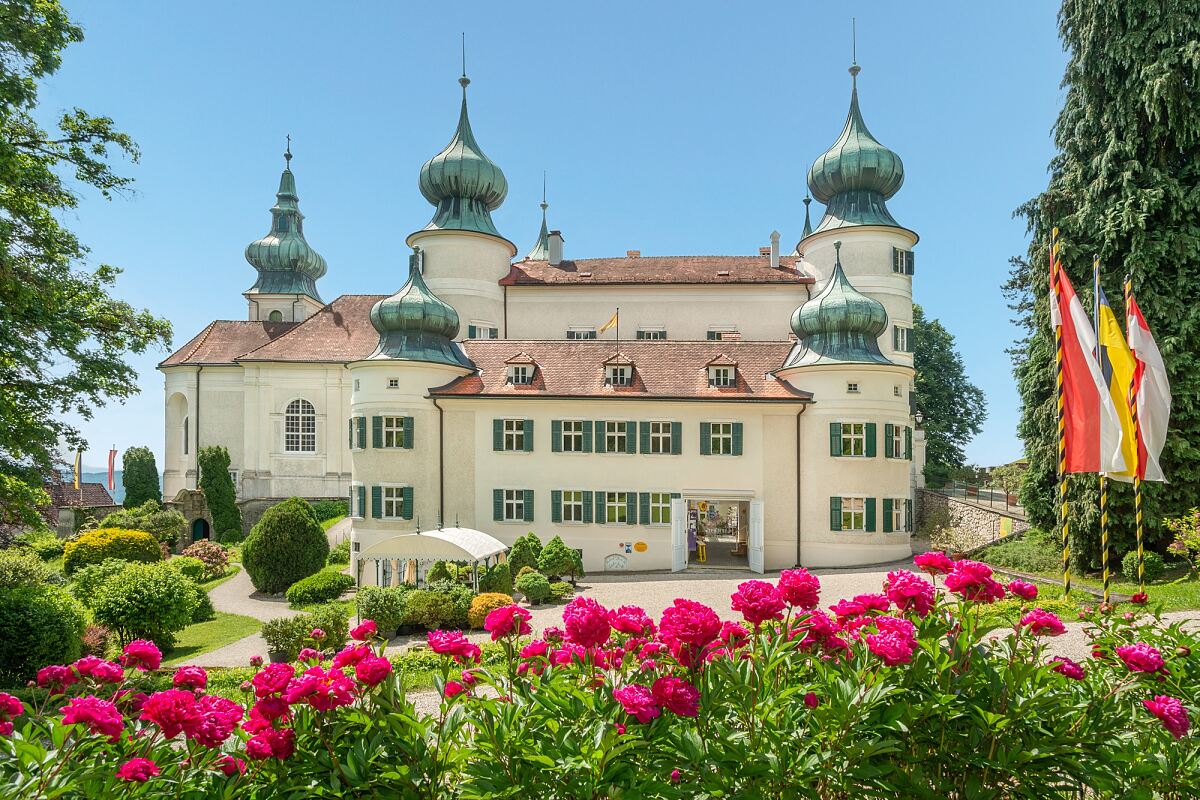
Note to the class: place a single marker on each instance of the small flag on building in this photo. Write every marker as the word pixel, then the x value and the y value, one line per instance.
pixel 112 469
pixel 612 321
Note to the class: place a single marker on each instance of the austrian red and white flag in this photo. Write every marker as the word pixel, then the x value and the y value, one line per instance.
pixel 1152 390
pixel 1093 429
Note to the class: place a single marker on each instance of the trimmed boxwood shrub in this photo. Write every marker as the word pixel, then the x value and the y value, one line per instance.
pixel 92 547
pixel 191 568
pixel 290 634
pixel 383 604
pixel 21 568
pixel 534 586
pixel 286 544
pixel 39 625
pixel 325 585
pixel 147 601
pixel 558 560
pixel 498 578
pixel 87 582
pixel 165 524
pixel 440 571
pixel 440 604
pixel 485 604
pixel 215 557
pixel 525 552
pixel 339 554
pixel 1154 566
pixel 560 591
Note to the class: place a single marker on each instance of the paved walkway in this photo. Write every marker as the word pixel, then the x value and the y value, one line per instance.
pixel 238 596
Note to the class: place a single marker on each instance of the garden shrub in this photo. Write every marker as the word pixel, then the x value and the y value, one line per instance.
pixel 231 537
pixel 95 641
pixel 339 554
pixel 1153 563
pixel 440 571
pixel 324 586
pixel 204 607
pixel 561 591
pixel 214 556
pixel 1186 543
pixel 383 604
pixel 334 619
pixel 164 524
pixel 441 604
pixel 286 545
pixel 192 568
pixel 525 552
pixel 498 578
pixel 330 509
pixel 558 560
pixel 44 544
pixel 284 635
pixel 20 567
pixel 39 625
pixel 87 582
pixel 484 604
pixel 526 571
pixel 534 586
pixel 147 601
pixel 139 476
pixel 95 546
pixel 219 492
pixel 1034 551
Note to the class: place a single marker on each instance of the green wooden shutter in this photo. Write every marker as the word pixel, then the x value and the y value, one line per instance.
pixel 497 434
pixel 601 511
pixel 676 438
pixel 835 440
pixel 587 506
pixel 705 438
pixel 529 505
pixel 498 505
pixel 871 437
pixel 556 505
pixel 870 515
pixel 896 259
pixel 362 501
pixel 737 438
pixel 587 436
pixel 600 437
pixel 631 437
pixel 641 334
pixel 644 508
pixel 631 508
pixel 527 427
pixel 908 520
pixel 912 263
pixel 889 451
pixel 896 338
pixel 407 499
pixel 376 432
pixel 887 515
pixel 644 435
pixel 908 443
pixel 556 436
pixel 376 501
pixel 351 428
pixel 471 331
pixel 408 433
pixel 835 513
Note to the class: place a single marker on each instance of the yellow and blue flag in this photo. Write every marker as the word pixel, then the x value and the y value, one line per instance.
pixel 1117 366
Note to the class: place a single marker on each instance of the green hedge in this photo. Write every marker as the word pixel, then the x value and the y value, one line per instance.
pixel 441 604
pixel 325 585
pixel 19 567
pixel 87 582
pixel 534 586
pixel 39 625
pixel 286 545
pixel 92 547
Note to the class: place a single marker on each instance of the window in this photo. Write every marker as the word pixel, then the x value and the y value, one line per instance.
pixel 514 434
pixel 896 515
pixel 720 376
pixel 393 502
pixel 300 427
pixel 233 473
pixel 482 330
pixel 896 391
pixel 358 500
pixel 356 384
pixel 854 514
pixel 902 261
pixel 722 439
pixel 615 434
pixel 718 334
pixel 520 374
pixel 393 432
pixel 660 508
pixel 186 437
pixel 275 316
pixel 581 333
pixel 852 388
pixel 660 438
pixel 572 506
pixel 619 375
pixel 896 443
pixel 652 333
pixel 393 383
pixel 514 505
pixel 572 437
pixel 616 507
pixel 901 339
pixel 854 439
pixel 358 433
pixel 281 224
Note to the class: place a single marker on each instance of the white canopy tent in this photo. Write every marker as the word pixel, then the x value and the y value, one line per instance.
pixel 416 551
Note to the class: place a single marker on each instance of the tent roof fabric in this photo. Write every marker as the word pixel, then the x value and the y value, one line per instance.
pixel 448 544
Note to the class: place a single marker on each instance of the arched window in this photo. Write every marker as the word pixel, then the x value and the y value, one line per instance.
pixel 300 427
pixel 275 316
pixel 186 442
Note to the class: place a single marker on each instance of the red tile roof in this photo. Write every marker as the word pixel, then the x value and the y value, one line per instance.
pixel 222 341
pixel 656 270
pixel 662 370
pixel 339 332
pixel 88 495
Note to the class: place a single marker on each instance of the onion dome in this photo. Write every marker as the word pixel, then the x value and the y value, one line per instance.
pixel 856 175
pixel 461 182
pixel 838 325
pixel 285 262
pixel 414 325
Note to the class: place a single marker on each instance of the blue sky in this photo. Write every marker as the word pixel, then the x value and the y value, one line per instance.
pixel 667 128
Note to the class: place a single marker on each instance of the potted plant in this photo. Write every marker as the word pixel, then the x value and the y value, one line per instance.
pixel 282 638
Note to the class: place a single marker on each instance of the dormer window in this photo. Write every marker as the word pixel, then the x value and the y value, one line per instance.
pixel 619 375
pixel 720 376
pixel 581 333
pixel 520 374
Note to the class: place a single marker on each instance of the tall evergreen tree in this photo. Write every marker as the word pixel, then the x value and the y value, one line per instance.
pixel 218 489
pixel 139 476
pixel 1125 185
pixel 953 408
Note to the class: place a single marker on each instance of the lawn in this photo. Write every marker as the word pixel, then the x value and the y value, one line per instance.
pixel 209 585
pixel 203 637
pixel 329 523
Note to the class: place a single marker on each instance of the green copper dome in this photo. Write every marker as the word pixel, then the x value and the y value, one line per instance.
pixel 541 248
pixel 856 175
pixel 839 325
pixel 414 325
pixel 462 183
pixel 285 262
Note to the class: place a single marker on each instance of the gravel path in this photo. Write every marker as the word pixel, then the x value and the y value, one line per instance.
pixel 238 596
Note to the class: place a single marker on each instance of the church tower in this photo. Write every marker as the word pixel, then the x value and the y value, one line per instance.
pixel 288 268
pixel 464 255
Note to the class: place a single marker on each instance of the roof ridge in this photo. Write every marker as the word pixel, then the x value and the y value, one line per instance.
pixel 201 339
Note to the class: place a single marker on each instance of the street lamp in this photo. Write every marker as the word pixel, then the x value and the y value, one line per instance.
pixel 919 417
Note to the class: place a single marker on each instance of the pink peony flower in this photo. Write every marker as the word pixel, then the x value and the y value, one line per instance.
pixel 256 662
pixel 895 642
pixel 799 588
pixel 934 563
pixel 1141 658
pixel 453 689
pixel 273 679
pixel 554 634
pixel 758 601
pixel 1140 598
pixel 231 765
pixel 810 700
pixel 99 670
pixel 321 689
pixel 308 654
pixel 10 709
pixel 172 711
pixel 190 678
pixel 1043 623
pixel 972 580
pixel 675 776
pixel 1067 667
pixel 216 721
pixel 350 655
pixel 677 696
pixel 455 644
pixel 507 621
pixel 733 635
pixel 630 619
pixel 142 654
pixel 587 622
pixel 365 631
pixel 137 770
pixel 689 623
pixel 98 716
pixel 1023 590
pixel 535 649
pixel 1171 713
pixel 56 678
pixel 468 677
pixel 271 743
pixel 317 634
pixel 638 702
pixel 909 592
pixel 373 670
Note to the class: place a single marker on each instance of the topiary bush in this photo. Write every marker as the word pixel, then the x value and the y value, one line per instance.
pixel 498 578
pixel 322 587
pixel 561 591
pixel 87 582
pixel 1154 566
pixel 286 545
pixel 384 604
pixel 95 546
pixel 191 568
pixel 20 567
pixel 147 601
pixel 334 619
pixel 204 608
pixel 525 553
pixel 39 625
pixel 485 604
pixel 214 556
pixel 166 525
pixel 339 554
pixel 534 586
pixel 440 571
pixel 441 604
pixel 556 559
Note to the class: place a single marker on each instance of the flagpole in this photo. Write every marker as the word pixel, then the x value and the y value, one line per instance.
pixel 1137 452
pixel 1103 478
pixel 1064 525
pixel 618 316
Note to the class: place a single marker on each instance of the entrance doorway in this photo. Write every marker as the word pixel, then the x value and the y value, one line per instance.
pixel 200 530
pixel 717 532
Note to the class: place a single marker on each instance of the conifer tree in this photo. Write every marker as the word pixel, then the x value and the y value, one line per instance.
pixel 1125 185
pixel 139 476
pixel 218 489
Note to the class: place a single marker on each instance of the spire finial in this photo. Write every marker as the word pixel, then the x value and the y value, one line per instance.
pixel 837 252
pixel 545 205
pixel 854 67
pixel 464 81
pixel 287 153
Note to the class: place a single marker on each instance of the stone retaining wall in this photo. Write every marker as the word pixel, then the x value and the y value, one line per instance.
pixel 978 526
pixel 252 510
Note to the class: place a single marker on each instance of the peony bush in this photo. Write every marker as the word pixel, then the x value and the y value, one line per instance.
pixel 895 694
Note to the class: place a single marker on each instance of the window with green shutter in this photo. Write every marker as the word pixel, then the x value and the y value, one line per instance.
pixel 497 434
pixel 835 513
pixel 528 428
pixel 887 514
pixel 908 515
pixel 644 436
pixel 871 439
pixel 600 440
pixel 529 505
pixel 377 502
pixel 644 508
pixel 908 434
pixel 587 507
pixel 903 261
pixel 889 445
pixel 350 437
pixel 556 505
pixel 631 437
pixel 556 435
pixel 376 431
pixel 676 438
pixel 601 512
pixel 705 438
pixel 587 435
pixel 737 438
pixel 631 509
pixel 870 517
pixel 498 505
pixel 360 432
pixel 835 440
pixel 407 492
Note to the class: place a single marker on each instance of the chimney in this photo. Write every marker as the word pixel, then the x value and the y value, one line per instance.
pixel 774 249
pixel 633 253
pixel 554 243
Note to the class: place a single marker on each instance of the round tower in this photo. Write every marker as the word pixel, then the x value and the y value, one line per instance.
pixel 464 255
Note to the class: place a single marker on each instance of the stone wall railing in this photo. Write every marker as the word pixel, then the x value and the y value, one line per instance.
pixel 975 526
